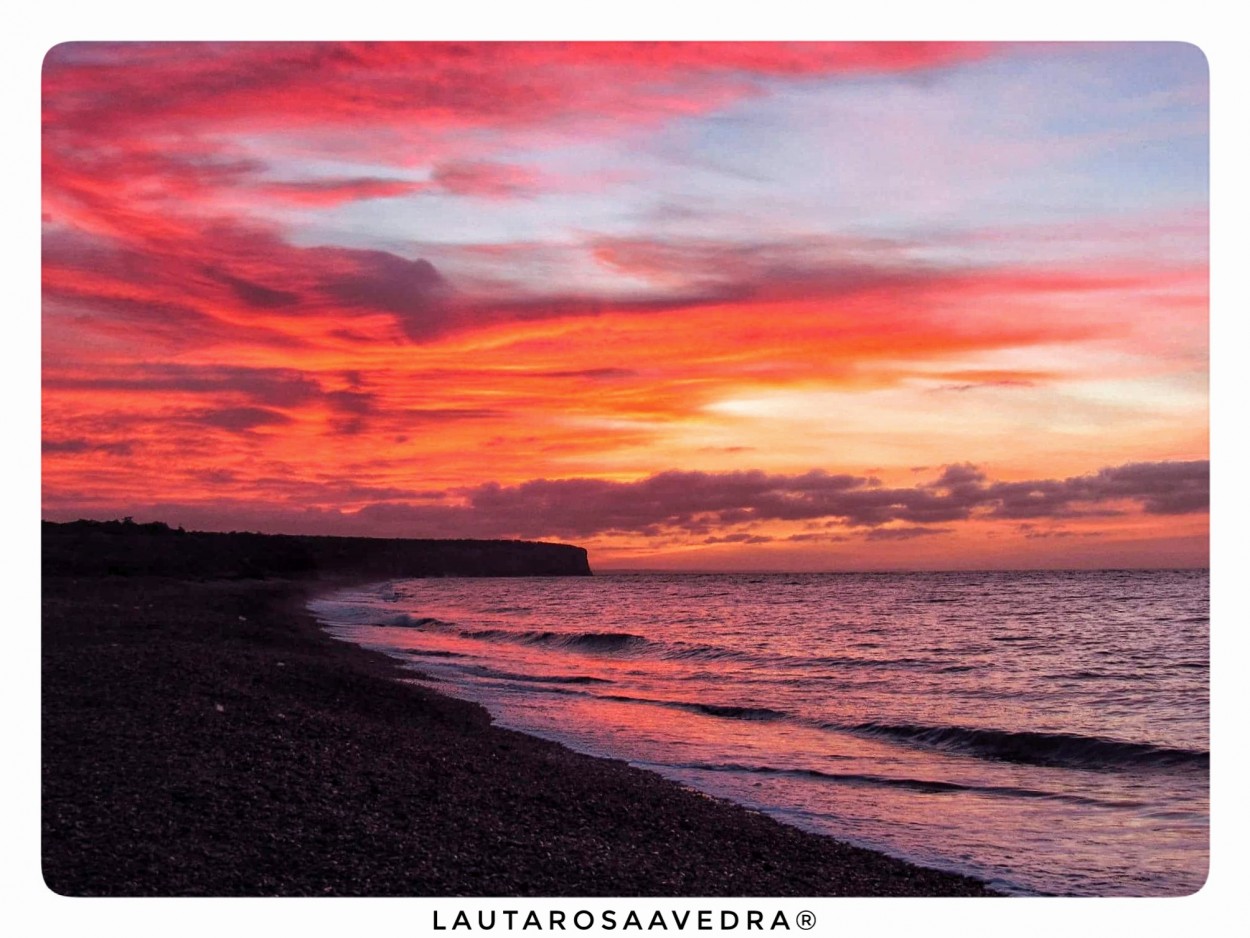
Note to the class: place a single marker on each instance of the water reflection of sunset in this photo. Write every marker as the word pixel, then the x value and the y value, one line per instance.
pixel 1044 731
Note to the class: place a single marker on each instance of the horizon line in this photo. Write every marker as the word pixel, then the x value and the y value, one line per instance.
pixel 639 571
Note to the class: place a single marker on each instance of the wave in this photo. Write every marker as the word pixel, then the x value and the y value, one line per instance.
pixel 681 651
pixel 926 786
pixel 405 621
pixel 539 678
pixel 736 713
pixel 1067 750
pixel 627 643
pixel 841 661
pixel 603 641
pixel 725 711
pixel 1063 750
pixel 609 643
pixel 595 641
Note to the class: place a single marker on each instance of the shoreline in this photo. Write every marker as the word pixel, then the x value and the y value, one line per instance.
pixel 409 671
pixel 207 737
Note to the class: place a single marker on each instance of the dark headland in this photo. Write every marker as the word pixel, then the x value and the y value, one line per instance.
pixel 202 736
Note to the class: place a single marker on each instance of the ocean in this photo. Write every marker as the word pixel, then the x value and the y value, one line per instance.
pixel 1046 732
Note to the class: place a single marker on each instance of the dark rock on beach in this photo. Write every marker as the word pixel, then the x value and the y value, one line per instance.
pixel 202 736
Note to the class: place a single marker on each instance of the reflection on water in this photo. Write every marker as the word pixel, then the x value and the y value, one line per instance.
pixel 1044 731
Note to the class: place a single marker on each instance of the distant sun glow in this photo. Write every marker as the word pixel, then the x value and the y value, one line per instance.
pixel 801 306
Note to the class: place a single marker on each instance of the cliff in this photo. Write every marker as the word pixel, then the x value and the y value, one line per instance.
pixel 123 548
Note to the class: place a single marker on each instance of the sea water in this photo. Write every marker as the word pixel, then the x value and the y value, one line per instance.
pixel 1046 732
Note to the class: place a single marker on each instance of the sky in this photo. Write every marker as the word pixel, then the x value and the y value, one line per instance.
pixel 692 306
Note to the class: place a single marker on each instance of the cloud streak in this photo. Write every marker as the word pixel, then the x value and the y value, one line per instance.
pixel 693 501
pixel 697 505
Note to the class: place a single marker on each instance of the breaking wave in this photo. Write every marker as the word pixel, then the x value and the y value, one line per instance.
pixel 925 786
pixel 1057 749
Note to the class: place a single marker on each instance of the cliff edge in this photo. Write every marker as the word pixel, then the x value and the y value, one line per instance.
pixel 123 548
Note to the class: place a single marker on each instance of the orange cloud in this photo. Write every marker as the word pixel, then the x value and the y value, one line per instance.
pixel 209 349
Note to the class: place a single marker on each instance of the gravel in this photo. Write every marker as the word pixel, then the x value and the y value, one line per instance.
pixel 205 737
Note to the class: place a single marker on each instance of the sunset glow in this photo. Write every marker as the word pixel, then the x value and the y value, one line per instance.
pixel 707 306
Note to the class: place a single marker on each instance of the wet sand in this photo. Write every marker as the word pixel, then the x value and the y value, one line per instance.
pixel 205 737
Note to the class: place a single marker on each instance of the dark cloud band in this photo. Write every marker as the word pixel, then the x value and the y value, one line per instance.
pixel 709 507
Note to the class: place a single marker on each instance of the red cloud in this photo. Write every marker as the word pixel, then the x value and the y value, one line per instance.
pixel 129 125
pixel 207 280
pixel 93 85
pixel 489 180
pixel 319 192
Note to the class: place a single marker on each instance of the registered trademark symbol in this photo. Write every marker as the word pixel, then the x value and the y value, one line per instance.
pixel 805 920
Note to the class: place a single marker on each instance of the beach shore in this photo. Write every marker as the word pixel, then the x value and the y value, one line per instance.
pixel 205 737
